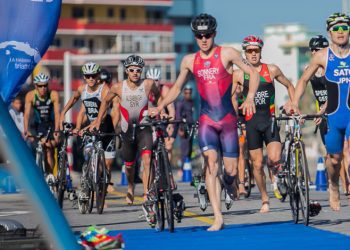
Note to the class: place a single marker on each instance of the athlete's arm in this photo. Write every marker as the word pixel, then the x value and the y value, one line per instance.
pixel 248 105
pixel 27 111
pixel 56 108
pixel 175 90
pixel 315 63
pixel 70 103
pixel 154 89
pixel 115 111
pixel 235 88
pixel 280 77
pixel 170 107
pixel 80 117
pixel 105 102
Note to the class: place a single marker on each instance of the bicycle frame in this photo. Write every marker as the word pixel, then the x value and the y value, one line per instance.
pixel 40 157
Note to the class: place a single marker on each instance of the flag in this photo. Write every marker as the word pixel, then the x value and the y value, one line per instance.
pixel 27 28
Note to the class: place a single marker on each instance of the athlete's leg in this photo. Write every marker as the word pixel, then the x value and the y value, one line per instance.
pixel 333 169
pixel 128 152
pixel 169 141
pixel 212 183
pixel 146 161
pixel 49 150
pixel 334 144
pixel 208 140
pixel 346 160
pixel 145 142
pixel 241 164
pixel 273 150
pixel 130 172
pixel 342 173
pixel 256 156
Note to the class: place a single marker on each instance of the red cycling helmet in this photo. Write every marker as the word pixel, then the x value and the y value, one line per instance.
pixel 252 41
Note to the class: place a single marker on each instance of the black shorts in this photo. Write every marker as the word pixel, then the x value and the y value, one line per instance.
pixel 43 127
pixel 258 131
pixel 143 143
pixel 108 142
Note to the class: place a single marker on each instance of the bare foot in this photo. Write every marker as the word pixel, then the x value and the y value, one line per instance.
pixel 334 197
pixel 110 189
pixel 129 198
pixel 217 225
pixel 241 189
pixel 265 208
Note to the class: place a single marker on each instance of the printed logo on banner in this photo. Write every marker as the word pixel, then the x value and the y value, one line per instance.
pixel 24 39
pixel 19 55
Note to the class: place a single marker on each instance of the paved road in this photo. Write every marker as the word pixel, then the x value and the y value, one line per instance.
pixel 119 216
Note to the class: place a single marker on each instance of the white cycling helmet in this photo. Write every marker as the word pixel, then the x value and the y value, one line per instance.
pixel 91 68
pixel 41 78
pixel 153 73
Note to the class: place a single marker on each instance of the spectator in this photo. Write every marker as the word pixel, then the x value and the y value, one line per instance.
pixel 16 113
pixel 185 109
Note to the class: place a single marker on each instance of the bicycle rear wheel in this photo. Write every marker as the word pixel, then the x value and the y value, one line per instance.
pixel 303 182
pixel 168 192
pixel 101 185
pixel 247 178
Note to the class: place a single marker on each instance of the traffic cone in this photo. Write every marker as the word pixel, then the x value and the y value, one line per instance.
pixel 321 178
pixel 187 171
pixel 123 179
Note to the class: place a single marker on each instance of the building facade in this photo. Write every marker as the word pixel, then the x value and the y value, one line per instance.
pixel 107 31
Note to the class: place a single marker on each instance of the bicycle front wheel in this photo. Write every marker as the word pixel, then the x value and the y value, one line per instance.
pixel 168 192
pixel 101 185
pixel 61 177
pixel 302 174
pixel 292 190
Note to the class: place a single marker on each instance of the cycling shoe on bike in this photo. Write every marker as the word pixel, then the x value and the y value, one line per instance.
pixel 277 169
pixel 83 196
pixel 202 195
pixel 228 201
pixel 50 180
pixel 150 215
pixel 314 208
pixel 230 186
pixel 179 206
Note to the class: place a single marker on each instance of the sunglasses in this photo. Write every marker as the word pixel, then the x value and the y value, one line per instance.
pixel 314 50
pixel 93 76
pixel 249 51
pixel 207 36
pixel 42 86
pixel 135 70
pixel 337 28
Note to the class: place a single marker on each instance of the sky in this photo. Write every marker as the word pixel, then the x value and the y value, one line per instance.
pixel 240 18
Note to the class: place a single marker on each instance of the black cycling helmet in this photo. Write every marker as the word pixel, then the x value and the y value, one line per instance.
pixel 106 76
pixel 134 60
pixel 318 42
pixel 203 24
pixel 337 18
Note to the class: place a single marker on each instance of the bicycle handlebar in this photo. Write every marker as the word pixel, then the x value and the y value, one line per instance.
pixel 159 123
pixel 294 117
pixel 41 136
